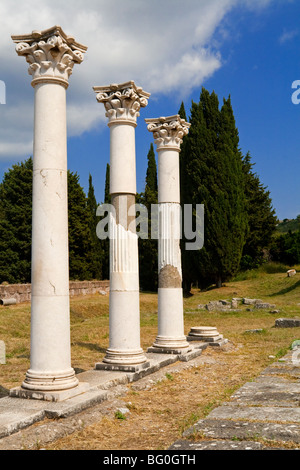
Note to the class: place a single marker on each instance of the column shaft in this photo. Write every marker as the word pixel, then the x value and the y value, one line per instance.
pixel 50 325
pixel 170 337
pixel 122 103
pixel 51 55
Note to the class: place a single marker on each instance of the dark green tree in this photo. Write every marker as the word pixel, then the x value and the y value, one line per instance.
pixel 96 245
pixel 285 248
pixel 262 219
pixel 15 223
pixel 148 255
pixel 80 238
pixel 212 174
pixel 105 243
pixel 107 198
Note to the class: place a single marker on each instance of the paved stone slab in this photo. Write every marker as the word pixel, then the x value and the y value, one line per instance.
pixel 282 370
pixel 258 413
pixel 215 445
pixel 102 379
pixel 75 405
pixel 13 418
pixel 229 429
pixel 265 393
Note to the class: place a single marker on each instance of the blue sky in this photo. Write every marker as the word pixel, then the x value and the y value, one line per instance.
pixel 248 49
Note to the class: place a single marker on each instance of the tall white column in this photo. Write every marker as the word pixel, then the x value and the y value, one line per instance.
pixel 122 103
pixel 168 133
pixel 51 55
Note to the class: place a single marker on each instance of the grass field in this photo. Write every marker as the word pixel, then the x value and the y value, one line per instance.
pixel 175 403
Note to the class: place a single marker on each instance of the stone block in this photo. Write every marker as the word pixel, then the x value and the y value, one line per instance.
pixel 251 301
pixel 2 353
pixel 287 323
pixel 264 306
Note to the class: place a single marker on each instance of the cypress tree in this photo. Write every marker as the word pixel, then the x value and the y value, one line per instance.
pixel 105 243
pixel 148 249
pixel 211 169
pixel 107 198
pixel 80 239
pixel 96 248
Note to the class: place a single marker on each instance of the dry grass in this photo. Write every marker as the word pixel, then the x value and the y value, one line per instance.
pixel 159 415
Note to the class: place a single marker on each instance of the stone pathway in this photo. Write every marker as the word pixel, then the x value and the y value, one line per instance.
pixel 261 415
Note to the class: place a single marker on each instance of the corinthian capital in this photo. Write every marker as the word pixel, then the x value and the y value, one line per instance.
pixel 122 102
pixel 51 54
pixel 168 132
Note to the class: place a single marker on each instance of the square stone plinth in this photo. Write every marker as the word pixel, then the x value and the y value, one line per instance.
pixel 53 396
pixel 122 367
pixel 157 350
pixel 206 339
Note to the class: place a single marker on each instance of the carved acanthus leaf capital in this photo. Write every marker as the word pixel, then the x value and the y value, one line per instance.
pixel 122 102
pixel 168 132
pixel 51 54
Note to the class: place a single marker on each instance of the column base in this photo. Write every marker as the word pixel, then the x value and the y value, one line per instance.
pixel 166 345
pixel 207 334
pixel 159 350
pixel 205 339
pixel 127 361
pixel 53 396
pixel 122 367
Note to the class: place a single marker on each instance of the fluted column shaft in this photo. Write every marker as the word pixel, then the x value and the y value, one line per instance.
pixel 168 133
pixel 122 103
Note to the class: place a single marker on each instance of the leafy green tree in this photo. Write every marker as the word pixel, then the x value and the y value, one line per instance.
pixel 285 248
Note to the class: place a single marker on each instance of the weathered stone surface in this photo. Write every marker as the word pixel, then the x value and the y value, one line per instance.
pixel 216 445
pixel 287 323
pixel 264 305
pixel 251 301
pixel 284 394
pixel 228 429
pixel 259 413
pixel 267 408
pixel 22 292
pixel 2 353
pixel 217 305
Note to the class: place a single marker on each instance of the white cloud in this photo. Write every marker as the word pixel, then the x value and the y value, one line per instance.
pixel 288 36
pixel 164 46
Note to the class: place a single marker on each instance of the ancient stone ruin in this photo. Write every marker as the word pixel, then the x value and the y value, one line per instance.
pixel 51 55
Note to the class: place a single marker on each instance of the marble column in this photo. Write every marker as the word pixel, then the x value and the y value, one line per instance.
pixel 168 133
pixel 122 103
pixel 51 55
